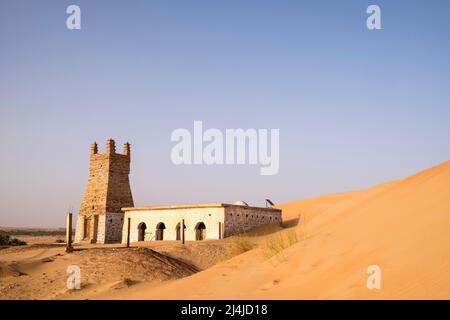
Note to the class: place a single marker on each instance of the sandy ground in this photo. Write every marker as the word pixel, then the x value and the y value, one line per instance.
pixel 402 226
pixel 38 271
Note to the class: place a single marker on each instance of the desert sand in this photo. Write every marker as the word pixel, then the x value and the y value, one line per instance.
pixel 402 226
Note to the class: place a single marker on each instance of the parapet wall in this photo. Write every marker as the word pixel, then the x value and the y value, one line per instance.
pixel 240 219
pixel 108 188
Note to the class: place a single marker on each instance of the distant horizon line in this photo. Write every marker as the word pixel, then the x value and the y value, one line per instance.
pixel 277 205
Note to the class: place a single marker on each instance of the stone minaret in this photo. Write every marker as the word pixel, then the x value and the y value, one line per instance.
pixel 100 219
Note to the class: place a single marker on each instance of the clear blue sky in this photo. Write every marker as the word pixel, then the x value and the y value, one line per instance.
pixel 354 107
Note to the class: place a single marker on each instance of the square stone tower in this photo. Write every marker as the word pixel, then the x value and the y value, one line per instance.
pixel 108 190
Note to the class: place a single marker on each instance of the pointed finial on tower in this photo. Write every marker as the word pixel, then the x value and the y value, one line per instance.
pixel 110 146
pixel 94 148
pixel 126 148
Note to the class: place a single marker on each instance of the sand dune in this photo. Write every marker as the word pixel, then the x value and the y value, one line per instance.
pixel 39 271
pixel 403 227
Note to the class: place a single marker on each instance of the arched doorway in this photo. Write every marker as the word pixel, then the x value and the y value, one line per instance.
pixel 178 229
pixel 141 231
pixel 200 231
pixel 160 231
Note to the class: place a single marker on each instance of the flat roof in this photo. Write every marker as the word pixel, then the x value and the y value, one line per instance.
pixel 193 206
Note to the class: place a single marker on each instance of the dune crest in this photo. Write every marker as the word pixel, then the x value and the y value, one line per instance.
pixel 403 227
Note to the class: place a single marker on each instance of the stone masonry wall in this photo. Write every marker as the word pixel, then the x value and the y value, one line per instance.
pixel 239 219
pixel 107 191
pixel 113 227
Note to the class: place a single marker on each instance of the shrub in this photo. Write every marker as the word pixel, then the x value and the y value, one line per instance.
pixel 17 242
pixel 278 242
pixel 5 240
pixel 240 244
pixel 274 245
pixel 292 237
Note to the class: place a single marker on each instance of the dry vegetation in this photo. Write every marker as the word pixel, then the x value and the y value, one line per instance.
pixel 241 244
pixel 278 242
pixel 402 226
